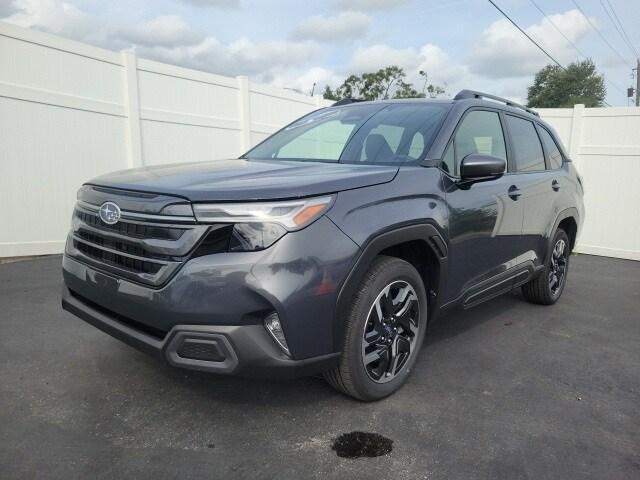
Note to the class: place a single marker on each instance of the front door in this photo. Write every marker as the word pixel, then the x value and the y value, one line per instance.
pixel 485 218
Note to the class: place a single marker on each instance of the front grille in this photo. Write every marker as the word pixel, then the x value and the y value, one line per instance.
pixel 119 245
pixel 116 260
pixel 137 230
pixel 145 248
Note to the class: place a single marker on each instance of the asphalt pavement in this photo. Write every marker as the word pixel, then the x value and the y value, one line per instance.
pixel 507 390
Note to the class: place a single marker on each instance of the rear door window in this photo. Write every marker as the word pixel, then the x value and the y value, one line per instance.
pixel 553 152
pixel 527 149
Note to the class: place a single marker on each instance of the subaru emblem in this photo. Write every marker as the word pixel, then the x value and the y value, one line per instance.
pixel 109 213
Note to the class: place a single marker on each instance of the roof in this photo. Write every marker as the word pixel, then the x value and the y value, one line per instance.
pixel 463 95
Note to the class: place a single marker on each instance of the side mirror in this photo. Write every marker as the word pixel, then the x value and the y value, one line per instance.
pixel 482 167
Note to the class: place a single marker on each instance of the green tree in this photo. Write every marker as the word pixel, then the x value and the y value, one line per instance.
pixel 388 82
pixel 554 87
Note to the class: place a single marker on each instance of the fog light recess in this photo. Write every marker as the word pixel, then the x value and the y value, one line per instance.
pixel 272 324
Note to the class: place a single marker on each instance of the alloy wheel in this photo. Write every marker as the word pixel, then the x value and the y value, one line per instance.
pixel 390 331
pixel 558 269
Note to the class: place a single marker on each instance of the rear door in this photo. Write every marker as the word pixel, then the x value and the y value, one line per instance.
pixel 485 222
pixel 536 185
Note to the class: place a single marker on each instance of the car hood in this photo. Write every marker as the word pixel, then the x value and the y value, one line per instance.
pixel 238 179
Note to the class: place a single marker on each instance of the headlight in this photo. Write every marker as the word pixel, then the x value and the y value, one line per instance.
pixel 292 215
pixel 259 225
pixel 247 237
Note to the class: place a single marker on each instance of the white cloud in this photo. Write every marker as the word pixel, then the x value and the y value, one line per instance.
pixel 304 80
pixel 429 58
pixel 261 60
pixel 503 51
pixel 344 26
pixel 169 39
pixel 214 3
pixel 165 31
pixel 370 4
pixel 55 17
pixel 502 61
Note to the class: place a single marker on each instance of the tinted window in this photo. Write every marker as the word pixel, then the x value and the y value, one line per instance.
pixel 324 141
pixel 555 157
pixel 416 149
pixel 397 134
pixel 393 136
pixel 449 160
pixel 527 150
pixel 368 133
pixel 480 132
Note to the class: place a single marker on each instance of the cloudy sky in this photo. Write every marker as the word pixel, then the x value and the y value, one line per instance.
pixel 294 43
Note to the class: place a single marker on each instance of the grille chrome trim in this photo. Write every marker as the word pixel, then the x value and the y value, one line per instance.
pixel 148 216
pixel 119 252
pixel 139 274
pixel 93 219
pixel 139 216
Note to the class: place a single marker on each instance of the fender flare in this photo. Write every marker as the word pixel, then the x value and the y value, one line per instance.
pixel 570 212
pixel 376 244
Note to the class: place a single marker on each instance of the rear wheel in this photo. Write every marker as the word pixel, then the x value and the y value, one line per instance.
pixel 385 327
pixel 547 287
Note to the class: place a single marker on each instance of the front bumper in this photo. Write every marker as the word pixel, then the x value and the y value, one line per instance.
pixel 245 350
pixel 226 296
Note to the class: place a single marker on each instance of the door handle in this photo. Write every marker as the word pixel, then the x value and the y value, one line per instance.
pixel 514 192
pixel 555 185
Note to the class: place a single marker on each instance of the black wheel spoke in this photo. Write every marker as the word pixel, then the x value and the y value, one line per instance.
pixel 378 353
pixel 407 320
pixel 387 305
pixel 372 337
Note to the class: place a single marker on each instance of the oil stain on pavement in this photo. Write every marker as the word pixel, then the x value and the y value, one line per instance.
pixel 362 444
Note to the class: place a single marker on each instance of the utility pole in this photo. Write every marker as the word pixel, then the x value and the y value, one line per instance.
pixel 637 69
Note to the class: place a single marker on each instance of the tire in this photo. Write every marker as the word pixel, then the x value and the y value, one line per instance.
pixel 542 290
pixel 390 285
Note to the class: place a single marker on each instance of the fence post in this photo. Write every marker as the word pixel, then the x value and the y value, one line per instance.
pixel 245 113
pixel 132 107
pixel 576 132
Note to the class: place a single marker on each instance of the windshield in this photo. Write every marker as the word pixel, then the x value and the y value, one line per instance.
pixel 366 134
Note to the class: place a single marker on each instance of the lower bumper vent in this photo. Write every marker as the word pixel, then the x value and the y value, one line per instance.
pixel 197 349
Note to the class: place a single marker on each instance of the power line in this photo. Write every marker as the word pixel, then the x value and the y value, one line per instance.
pixel 621 90
pixel 557 28
pixel 619 27
pixel 527 35
pixel 628 40
pixel 597 30
pixel 532 40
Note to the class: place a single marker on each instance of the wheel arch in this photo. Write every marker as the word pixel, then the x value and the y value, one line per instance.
pixel 422 245
pixel 569 220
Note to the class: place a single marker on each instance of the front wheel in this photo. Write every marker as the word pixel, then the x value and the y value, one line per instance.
pixel 547 287
pixel 385 328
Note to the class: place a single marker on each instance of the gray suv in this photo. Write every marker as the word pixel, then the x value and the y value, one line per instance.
pixel 329 246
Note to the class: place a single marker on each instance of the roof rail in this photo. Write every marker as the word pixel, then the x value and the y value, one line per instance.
pixel 466 94
pixel 347 101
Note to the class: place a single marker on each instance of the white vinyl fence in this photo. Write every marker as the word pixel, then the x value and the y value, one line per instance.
pixel 604 144
pixel 70 112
